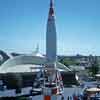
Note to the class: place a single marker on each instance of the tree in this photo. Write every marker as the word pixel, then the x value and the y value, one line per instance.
pixel 94 69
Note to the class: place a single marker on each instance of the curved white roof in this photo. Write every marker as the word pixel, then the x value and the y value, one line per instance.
pixel 24 59
pixel 25 63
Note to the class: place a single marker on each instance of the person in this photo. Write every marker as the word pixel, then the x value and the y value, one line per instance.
pixel 85 97
pixel 75 97
pixel 62 97
pixel 68 98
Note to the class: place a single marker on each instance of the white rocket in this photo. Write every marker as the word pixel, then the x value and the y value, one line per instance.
pixel 53 86
pixel 51 45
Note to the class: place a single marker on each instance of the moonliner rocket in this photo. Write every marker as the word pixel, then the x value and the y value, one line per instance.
pixel 52 87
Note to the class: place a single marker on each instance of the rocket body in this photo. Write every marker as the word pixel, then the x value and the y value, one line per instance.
pixel 51 38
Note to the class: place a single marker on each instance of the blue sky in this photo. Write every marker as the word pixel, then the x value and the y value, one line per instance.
pixel 23 25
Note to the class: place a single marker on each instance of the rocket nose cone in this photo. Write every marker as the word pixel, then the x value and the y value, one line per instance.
pixel 51 11
pixel 51 3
